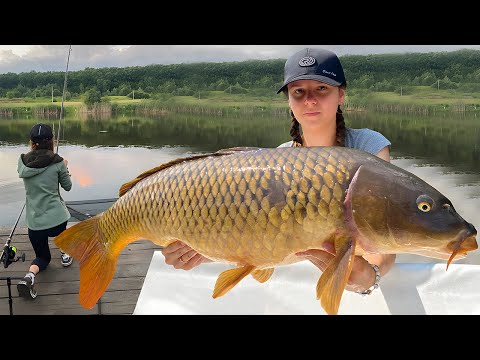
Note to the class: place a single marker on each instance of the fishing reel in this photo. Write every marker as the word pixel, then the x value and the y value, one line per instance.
pixel 8 255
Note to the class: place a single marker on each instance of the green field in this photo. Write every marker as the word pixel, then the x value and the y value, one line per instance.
pixel 419 96
pixel 427 96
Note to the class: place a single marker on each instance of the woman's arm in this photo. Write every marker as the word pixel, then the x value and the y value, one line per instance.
pixel 64 176
pixel 384 154
pixel 362 276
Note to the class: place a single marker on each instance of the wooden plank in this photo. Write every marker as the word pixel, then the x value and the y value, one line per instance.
pixel 117 309
pixel 57 287
pixel 126 296
pixel 35 309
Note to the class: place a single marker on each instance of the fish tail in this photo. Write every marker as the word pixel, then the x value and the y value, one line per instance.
pixel 85 242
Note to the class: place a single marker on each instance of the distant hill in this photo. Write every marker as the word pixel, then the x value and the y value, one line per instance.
pixel 386 72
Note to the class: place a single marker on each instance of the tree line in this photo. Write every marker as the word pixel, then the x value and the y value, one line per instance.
pixel 383 72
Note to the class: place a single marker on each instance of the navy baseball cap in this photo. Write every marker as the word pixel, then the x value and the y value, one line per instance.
pixel 314 64
pixel 41 132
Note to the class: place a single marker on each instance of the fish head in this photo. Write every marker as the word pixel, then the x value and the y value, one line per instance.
pixel 393 211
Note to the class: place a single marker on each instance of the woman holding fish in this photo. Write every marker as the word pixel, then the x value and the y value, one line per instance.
pixel 314 83
pixel 341 206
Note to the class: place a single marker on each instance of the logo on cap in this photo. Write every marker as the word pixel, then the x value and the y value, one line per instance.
pixel 306 61
pixel 329 73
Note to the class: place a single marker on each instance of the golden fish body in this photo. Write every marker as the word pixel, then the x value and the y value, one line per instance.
pixel 256 208
pixel 245 209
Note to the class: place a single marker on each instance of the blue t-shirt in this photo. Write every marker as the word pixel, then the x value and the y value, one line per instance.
pixel 367 140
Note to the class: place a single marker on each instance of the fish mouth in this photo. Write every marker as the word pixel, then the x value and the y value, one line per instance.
pixel 465 242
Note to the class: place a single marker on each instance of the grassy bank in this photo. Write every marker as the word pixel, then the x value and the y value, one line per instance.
pixel 419 99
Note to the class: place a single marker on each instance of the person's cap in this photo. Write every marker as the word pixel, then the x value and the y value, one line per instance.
pixel 314 64
pixel 41 132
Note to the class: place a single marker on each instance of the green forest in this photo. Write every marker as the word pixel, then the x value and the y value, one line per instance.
pixel 441 79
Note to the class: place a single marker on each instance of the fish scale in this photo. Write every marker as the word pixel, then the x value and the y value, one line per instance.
pixel 220 205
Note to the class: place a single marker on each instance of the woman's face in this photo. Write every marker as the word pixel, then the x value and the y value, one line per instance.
pixel 314 103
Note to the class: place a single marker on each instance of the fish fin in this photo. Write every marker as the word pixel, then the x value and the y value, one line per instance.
pixel 84 242
pixel 332 283
pixel 262 275
pixel 229 278
pixel 237 149
pixel 128 185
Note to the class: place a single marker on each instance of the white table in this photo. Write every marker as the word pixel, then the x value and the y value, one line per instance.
pixel 409 288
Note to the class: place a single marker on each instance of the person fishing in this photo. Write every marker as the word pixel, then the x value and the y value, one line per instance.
pixel 42 170
pixel 315 86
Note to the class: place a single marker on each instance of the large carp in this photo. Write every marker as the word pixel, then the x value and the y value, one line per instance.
pixel 255 208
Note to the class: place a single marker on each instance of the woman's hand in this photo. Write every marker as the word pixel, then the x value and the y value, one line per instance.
pixel 362 276
pixel 182 256
pixel 65 161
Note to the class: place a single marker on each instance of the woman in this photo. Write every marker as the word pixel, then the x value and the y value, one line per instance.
pixel 314 83
pixel 46 216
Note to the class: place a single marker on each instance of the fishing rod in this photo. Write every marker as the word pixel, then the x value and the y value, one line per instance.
pixel 9 252
pixel 8 256
pixel 63 97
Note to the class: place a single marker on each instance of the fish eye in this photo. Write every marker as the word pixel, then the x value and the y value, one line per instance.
pixel 424 206
pixel 424 203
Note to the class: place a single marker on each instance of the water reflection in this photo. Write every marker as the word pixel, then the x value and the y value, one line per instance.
pixel 203 133
pixel 97 172
pixel 103 154
pixel 452 141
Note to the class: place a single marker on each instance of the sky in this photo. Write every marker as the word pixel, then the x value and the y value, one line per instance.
pixel 42 58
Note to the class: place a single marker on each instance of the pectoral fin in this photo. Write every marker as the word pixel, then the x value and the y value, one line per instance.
pixel 332 283
pixel 229 278
pixel 263 275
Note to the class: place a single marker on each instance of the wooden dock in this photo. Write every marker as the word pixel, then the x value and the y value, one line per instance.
pixel 57 286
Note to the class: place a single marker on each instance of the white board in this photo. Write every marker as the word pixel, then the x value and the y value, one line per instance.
pixel 409 288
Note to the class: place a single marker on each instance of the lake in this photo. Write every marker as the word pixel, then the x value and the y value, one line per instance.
pixel 103 154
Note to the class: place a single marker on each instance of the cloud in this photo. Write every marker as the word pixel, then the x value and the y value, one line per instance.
pixel 43 58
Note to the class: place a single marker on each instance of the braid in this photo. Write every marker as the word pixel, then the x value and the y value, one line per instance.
pixel 295 131
pixel 341 129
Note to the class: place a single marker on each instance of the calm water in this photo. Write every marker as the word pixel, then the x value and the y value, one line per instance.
pixel 105 153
